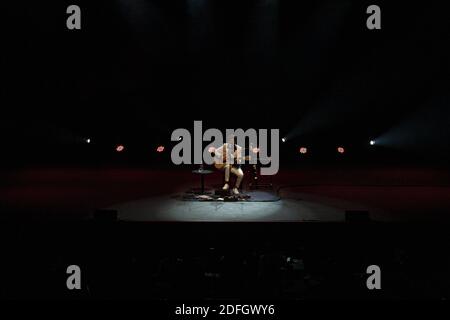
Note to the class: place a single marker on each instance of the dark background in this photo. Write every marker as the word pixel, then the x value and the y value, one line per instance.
pixel 138 69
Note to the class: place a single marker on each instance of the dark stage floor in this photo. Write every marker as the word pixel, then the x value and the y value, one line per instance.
pixel 173 209
pixel 146 194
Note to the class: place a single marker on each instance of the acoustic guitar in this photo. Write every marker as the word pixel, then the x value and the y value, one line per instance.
pixel 220 166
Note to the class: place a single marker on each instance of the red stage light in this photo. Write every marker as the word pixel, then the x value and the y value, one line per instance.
pixel 341 149
pixel 120 148
pixel 303 150
pixel 160 149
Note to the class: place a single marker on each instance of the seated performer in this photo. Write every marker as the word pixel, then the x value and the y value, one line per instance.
pixel 228 158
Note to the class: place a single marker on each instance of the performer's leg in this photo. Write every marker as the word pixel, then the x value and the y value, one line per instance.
pixel 239 176
pixel 227 176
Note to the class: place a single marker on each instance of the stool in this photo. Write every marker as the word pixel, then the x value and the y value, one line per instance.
pixel 202 172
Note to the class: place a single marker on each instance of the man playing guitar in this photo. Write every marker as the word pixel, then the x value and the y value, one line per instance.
pixel 228 158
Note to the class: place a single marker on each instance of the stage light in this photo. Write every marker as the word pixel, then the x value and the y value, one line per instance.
pixel 88 140
pixel 303 150
pixel 340 149
pixel 372 142
pixel 283 139
pixel 160 149
pixel 120 148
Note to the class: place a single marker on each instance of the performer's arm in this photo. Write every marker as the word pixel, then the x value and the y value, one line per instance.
pixel 239 154
pixel 218 155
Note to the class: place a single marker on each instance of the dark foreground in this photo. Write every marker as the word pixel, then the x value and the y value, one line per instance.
pixel 204 261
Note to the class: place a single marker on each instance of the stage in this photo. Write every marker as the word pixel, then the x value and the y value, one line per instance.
pixel 261 206
pixel 151 195
pixel 173 209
